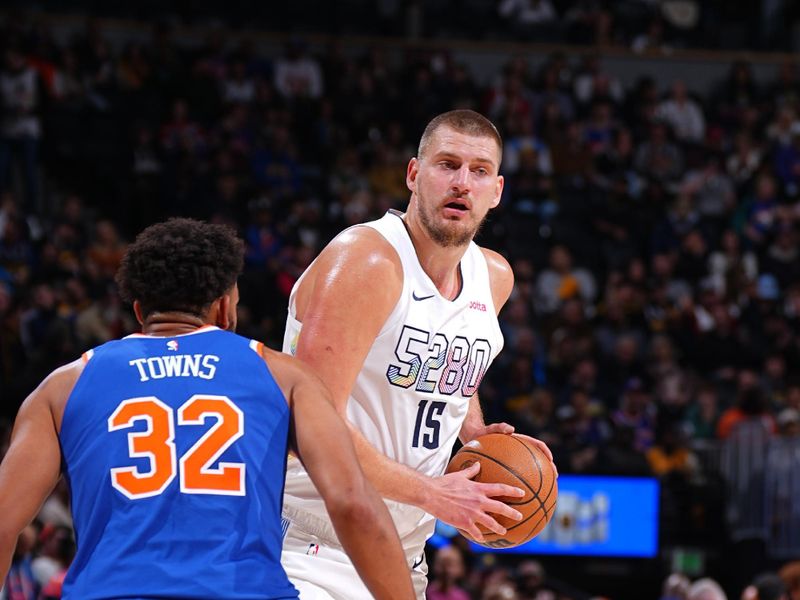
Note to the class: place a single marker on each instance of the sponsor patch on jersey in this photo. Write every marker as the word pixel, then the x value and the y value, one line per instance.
pixel 475 305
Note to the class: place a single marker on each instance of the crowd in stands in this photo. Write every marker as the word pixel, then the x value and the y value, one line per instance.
pixel 642 25
pixel 653 233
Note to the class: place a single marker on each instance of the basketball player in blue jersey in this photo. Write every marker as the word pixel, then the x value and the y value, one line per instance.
pixel 174 442
pixel 399 318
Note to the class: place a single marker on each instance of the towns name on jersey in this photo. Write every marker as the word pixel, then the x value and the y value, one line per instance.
pixel 176 365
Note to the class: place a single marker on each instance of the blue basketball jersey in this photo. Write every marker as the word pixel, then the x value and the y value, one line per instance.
pixel 175 451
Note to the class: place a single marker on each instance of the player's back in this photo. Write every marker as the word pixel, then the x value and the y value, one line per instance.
pixel 175 450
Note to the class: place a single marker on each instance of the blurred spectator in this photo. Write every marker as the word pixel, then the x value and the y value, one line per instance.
pixel 55 510
pixel 239 86
pixel 620 455
pixel 529 19
pixel 767 586
pixel 21 583
pixel 783 257
pixel 737 94
pixel 56 550
pixel 743 163
pixel 107 249
pixel 750 408
pixel 21 104
pixel 683 114
pixel 636 413
pixel 535 414
pixel 731 268
pixel 703 415
pixel 561 281
pixel 790 574
pixel 713 194
pixel 590 427
pixel 297 75
pixel 658 157
pixel 652 38
pixel 448 570
pixel 675 587
pixel 530 577
pixel 706 589
pixel 670 456
pixel 521 138
pixel 593 83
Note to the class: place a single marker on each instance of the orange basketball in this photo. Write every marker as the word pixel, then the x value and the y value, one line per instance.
pixel 513 460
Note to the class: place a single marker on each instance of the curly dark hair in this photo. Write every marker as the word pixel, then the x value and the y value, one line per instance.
pixel 180 265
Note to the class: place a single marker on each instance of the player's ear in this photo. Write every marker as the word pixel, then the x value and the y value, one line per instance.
pixel 498 192
pixel 222 318
pixel 411 174
pixel 137 311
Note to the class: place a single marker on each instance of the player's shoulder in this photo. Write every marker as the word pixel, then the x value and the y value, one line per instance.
pixel 365 246
pixel 55 389
pixel 362 256
pixel 496 262
pixel 499 269
pixel 63 378
pixel 501 277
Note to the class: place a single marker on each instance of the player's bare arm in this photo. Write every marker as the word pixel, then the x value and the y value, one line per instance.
pixel 356 510
pixel 502 281
pixel 32 465
pixel 343 302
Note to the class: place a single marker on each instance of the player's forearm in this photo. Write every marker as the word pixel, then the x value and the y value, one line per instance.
pixel 390 478
pixel 473 422
pixel 7 544
pixel 386 573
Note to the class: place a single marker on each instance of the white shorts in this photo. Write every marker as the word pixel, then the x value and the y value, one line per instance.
pixel 323 571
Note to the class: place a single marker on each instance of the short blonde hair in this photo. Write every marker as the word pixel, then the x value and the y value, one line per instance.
pixel 464 121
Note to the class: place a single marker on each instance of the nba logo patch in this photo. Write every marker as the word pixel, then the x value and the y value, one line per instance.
pixel 172 345
pixel 312 549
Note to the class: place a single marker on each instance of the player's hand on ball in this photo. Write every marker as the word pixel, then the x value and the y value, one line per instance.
pixel 508 430
pixel 543 447
pixel 512 460
pixel 463 503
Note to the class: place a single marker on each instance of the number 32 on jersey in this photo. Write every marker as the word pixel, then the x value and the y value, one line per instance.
pixel 157 444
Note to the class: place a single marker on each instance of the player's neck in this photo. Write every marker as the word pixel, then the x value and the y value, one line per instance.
pixel 439 263
pixel 166 324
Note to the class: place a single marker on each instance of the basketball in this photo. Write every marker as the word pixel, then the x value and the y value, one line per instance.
pixel 512 460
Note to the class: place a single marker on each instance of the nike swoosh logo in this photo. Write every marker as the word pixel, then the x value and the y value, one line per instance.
pixel 418 561
pixel 418 298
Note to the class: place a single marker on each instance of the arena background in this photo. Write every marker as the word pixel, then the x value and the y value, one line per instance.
pixel 651 210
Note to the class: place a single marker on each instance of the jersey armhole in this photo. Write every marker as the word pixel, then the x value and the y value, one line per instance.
pixel 257 347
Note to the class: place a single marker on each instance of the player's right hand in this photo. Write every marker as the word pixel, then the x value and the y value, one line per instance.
pixel 464 504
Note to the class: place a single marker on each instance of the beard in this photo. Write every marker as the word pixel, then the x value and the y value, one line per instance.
pixel 449 234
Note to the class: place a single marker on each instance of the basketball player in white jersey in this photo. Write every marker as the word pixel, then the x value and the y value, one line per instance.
pixel 399 319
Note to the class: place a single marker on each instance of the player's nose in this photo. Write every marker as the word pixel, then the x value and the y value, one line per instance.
pixel 460 180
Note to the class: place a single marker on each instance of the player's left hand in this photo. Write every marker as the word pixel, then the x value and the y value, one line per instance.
pixel 493 428
pixel 508 429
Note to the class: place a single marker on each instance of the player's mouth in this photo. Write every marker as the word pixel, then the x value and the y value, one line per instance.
pixel 456 208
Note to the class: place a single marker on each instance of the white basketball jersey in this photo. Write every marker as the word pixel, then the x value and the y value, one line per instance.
pixel 413 392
